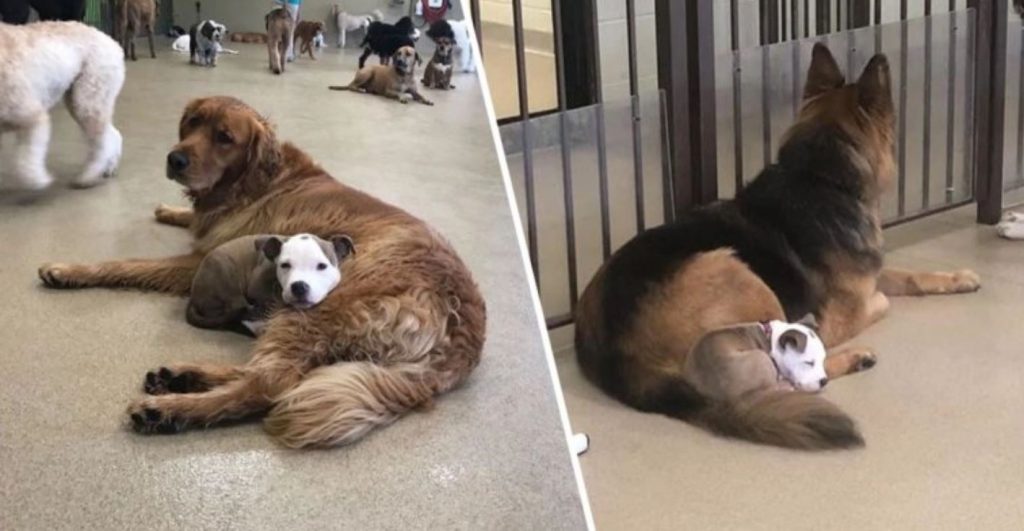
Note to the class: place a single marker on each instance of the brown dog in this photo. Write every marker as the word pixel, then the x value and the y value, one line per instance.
pixel 803 237
pixel 306 32
pixel 280 27
pixel 132 16
pixel 407 323
pixel 249 37
pixel 396 80
pixel 438 73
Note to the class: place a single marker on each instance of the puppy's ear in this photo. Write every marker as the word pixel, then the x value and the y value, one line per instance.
pixel 270 246
pixel 793 339
pixel 343 246
pixel 809 321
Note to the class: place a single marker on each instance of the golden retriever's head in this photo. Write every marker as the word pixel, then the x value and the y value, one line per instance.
pixel 862 110
pixel 405 59
pixel 223 144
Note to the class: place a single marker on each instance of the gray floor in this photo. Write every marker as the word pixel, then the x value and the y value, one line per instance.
pixel 940 413
pixel 490 455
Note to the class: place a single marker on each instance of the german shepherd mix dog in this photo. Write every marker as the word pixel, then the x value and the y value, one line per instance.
pixel 407 324
pixel 803 237
pixel 395 80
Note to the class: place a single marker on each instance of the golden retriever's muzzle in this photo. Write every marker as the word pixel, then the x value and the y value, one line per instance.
pixel 177 163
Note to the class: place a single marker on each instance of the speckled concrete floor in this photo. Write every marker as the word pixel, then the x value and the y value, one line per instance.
pixel 490 455
pixel 941 413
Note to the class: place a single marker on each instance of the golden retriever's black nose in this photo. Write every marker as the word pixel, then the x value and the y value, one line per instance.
pixel 300 289
pixel 177 161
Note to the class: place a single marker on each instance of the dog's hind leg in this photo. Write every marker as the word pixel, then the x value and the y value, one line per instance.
pixel 189 378
pixel 169 275
pixel 149 35
pixel 362 58
pixel 899 282
pixel 176 216
pixel 91 102
pixel 30 157
pixel 275 58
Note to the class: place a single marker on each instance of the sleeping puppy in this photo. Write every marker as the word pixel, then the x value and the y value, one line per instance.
pixel 395 81
pixel 438 73
pixel 385 39
pixel 309 33
pixel 244 280
pixel 204 42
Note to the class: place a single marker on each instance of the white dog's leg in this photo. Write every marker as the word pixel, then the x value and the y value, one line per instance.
pixel 30 157
pixel 1011 230
pixel 104 158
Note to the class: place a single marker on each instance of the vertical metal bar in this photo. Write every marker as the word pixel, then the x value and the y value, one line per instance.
pixel 563 131
pixel 878 23
pixel 951 101
pixel 602 174
pixel 783 12
pixel 795 64
pixel 839 15
pixel 474 10
pixel 666 161
pixel 807 18
pixel 704 135
pixel 926 150
pixel 737 93
pixel 524 116
pixel 990 76
pixel 766 106
pixel 1020 115
pixel 634 92
pixel 794 16
pixel 901 181
pixel 970 73
pixel 773 21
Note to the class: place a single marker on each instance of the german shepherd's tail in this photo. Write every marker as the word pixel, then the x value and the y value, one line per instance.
pixel 790 419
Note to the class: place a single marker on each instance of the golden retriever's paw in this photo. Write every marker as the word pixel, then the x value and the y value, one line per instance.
pixel 164 381
pixel 56 275
pixel 965 281
pixel 148 419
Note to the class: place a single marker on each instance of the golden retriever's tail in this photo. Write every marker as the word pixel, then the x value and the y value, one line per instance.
pixel 789 419
pixel 338 404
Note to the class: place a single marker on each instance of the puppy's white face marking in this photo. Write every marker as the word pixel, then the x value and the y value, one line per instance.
pixel 305 273
pixel 805 368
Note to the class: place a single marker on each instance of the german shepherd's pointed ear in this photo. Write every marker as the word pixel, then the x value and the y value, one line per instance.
pixel 824 74
pixel 875 86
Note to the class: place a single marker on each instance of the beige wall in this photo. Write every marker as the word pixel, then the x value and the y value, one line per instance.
pixel 536 13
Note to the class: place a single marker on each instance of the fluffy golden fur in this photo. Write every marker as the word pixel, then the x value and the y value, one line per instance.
pixel 804 237
pixel 406 325
pixel 133 16
pixel 396 80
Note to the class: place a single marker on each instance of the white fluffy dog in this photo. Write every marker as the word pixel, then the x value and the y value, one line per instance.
pixel 463 45
pixel 347 22
pixel 40 64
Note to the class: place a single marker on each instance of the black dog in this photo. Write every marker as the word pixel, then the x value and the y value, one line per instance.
pixel 385 39
pixel 442 28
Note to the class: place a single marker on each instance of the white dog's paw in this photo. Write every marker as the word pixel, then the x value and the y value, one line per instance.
pixel 87 181
pixel 35 181
pixel 1014 217
pixel 1011 230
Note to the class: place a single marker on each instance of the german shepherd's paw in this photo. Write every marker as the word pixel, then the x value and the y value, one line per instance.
pixel 864 360
pixel 56 275
pixel 965 281
pixel 149 420
pixel 849 360
pixel 163 381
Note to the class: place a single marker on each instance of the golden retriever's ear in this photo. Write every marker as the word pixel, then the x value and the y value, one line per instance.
pixel 190 109
pixel 264 154
pixel 824 74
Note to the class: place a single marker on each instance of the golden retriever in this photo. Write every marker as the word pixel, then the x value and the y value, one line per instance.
pixel 407 324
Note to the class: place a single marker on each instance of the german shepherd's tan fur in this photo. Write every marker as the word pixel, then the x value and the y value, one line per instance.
pixel 804 237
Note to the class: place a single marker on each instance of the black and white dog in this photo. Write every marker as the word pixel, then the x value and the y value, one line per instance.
pixel 204 42
pixel 385 39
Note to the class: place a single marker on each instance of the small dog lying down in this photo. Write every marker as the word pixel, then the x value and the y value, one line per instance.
pixel 244 280
pixel 347 22
pixel 758 378
pixel 1012 226
pixel 396 80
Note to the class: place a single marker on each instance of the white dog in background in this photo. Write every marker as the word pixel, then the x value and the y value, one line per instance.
pixel 1012 226
pixel 347 22
pixel 42 63
pixel 463 45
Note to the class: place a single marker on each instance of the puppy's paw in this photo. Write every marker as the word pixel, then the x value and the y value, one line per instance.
pixel 148 419
pixel 163 381
pixel 56 275
pixel 965 281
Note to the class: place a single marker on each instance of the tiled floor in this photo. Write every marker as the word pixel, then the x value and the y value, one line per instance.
pixel 492 451
pixel 941 413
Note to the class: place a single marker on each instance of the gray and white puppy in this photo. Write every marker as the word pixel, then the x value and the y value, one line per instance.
pixel 204 42
pixel 244 280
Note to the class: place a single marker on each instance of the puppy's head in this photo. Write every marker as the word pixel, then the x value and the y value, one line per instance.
pixel 223 143
pixel 307 266
pixel 445 46
pixel 799 354
pixel 404 59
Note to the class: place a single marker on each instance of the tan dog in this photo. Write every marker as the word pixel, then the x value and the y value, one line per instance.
pixel 132 16
pixel 438 73
pixel 396 80
pixel 279 28
pixel 406 325
pixel 306 32
pixel 249 37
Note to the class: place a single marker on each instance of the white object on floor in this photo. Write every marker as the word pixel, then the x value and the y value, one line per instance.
pixel 463 45
pixel 181 44
pixel 580 443
pixel 1012 226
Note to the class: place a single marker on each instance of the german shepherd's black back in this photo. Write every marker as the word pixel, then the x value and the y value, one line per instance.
pixel 814 203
